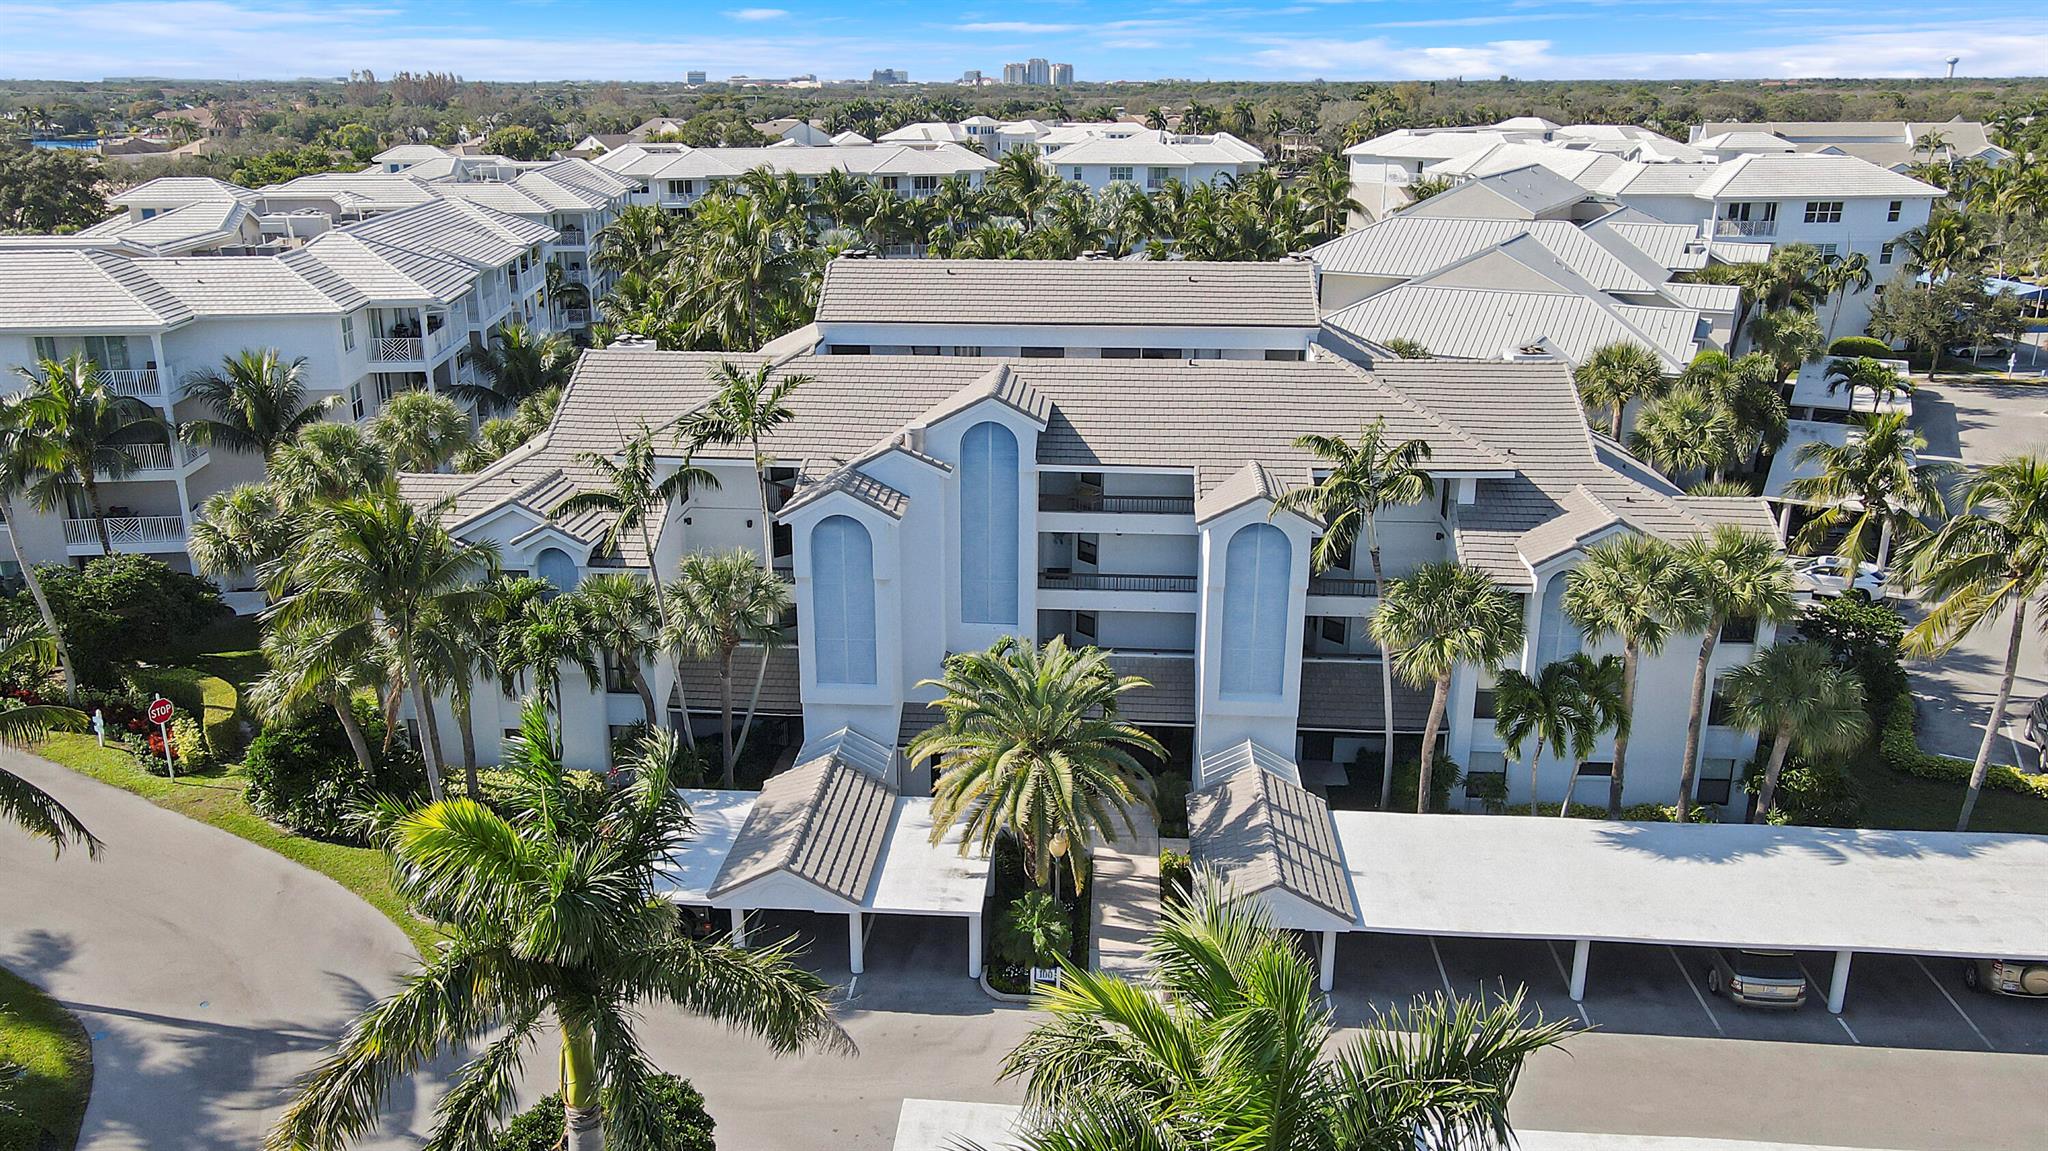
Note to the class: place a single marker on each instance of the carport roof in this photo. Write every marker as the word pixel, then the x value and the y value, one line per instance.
pixel 1739 885
pixel 1263 831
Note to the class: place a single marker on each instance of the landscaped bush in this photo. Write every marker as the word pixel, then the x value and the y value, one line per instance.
pixel 1176 876
pixel 1634 812
pixel 1006 863
pixel 1809 794
pixel 1170 792
pixel 684 1124
pixel 122 610
pixel 1899 748
pixel 1034 931
pixel 1851 347
pixel 1864 637
pixel 304 775
pixel 1443 776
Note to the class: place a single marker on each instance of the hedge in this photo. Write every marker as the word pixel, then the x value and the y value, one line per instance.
pixel 1900 749
pixel 1852 346
pixel 211 699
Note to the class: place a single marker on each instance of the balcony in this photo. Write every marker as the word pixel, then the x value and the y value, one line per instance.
pixel 404 350
pixel 570 238
pixel 1102 581
pixel 1118 505
pixel 128 533
pixel 1745 227
pixel 1341 586
pixel 170 457
pixel 142 383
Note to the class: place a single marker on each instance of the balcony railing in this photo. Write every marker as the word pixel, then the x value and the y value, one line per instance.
pixel 141 382
pixel 1745 227
pixel 402 350
pixel 571 236
pixel 163 457
pixel 1099 581
pixel 577 315
pixel 128 533
pixel 1340 585
pixel 1121 505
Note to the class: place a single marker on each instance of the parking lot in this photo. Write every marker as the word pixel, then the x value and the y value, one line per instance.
pixel 1894 1001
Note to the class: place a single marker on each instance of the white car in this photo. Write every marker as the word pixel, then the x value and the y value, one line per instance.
pixel 1830 576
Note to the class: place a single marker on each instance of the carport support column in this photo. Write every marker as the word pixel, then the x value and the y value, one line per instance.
pixel 1838 987
pixel 739 927
pixel 1329 959
pixel 853 943
pixel 974 946
pixel 1580 950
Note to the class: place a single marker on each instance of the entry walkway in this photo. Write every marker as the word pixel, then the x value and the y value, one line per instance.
pixel 1126 908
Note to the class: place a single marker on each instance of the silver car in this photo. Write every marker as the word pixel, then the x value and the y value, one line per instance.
pixel 1757 978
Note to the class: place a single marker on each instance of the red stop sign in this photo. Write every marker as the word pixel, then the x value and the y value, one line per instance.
pixel 159 711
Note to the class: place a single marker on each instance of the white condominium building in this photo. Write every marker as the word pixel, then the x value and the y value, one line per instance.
pixel 676 176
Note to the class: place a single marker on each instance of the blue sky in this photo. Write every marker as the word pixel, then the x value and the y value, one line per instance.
pixel 1141 39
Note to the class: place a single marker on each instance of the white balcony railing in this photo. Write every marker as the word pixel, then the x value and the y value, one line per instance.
pixel 1745 227
pixel 140 382
pixel 401 350
pixel 128 533
pixel 163 457
pixel 572 237
pixel 577 315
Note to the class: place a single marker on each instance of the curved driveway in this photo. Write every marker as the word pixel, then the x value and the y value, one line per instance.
pixel 208 970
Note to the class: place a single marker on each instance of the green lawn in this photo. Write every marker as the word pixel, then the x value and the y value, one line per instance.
pixel 1893 799
pixel 45 1070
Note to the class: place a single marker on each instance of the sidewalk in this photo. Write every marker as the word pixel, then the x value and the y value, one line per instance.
pixel 1126 901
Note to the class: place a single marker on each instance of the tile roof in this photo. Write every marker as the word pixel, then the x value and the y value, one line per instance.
pixel 246 286
pixel 1410 246
pixel 1124 292
pixel 182 189
pixel 1263 832
pixel 824 821
pixel 1753 176
pixel 198 224
pixel 455 229
pixel 377 191
pixel 1344 695
pixel 46 291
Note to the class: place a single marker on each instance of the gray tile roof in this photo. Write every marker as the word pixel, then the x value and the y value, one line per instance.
pixel 1344 695
pixel 46 291
pixel 824 821
pixel 185 189
pixel 1410 246
pixel 1480 323
pixel 1261 832
pixel 1168 293
pixel 245 286
pixel 781 686
pixel 1759 177
pixel 1170 698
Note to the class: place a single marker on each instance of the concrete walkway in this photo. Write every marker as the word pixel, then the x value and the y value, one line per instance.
pixel 1126 900
pixel 208 971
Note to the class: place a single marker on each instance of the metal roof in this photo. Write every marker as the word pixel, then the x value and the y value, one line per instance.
pixel 824 821
pixel 1162 293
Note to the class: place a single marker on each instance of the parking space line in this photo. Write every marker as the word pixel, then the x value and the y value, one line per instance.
pixel 1440 972
pixel 1939 986
pixel 1550 945
pixel 1822 996
pixel 1711 1017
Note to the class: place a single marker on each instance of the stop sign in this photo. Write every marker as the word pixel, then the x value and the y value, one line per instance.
pixel 159 711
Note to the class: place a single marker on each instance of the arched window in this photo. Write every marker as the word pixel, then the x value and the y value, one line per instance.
pixel 555 566
pixel 1258 566
pixel 988 525
pixel 843 601
pixel 1557 636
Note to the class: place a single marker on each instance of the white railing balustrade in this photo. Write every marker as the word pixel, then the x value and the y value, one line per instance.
pixel 128 533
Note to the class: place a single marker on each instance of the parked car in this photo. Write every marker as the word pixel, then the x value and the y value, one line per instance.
pixel 2007 977
pixel 2037 731
pixel 1757 978
pixel 1830 576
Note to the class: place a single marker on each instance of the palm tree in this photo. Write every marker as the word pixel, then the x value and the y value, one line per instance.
pixel 1614 375
pixel 721 602
pixel 329 461
pixel 1840 277
pixel 636 242
pixel 374 569
pixel 1684 432
pixel 622 620
pixel 1024 183
pixel 1747 393
pixel 747 408
pixel 240 530
pixel 746 277
pixel 1990 558
pixel 87 432
pixel 1032 746
pixel 1789 336
pixel 1802 699
pixel 553 923
pixel 1739 575
pixel 316 664
pixel 27 648
pixel 1950 242
pixel 521 362
pixel 1327 188
pixel 1870 374
pixel 1440 617
pixel 258 400
pixel 24 454
pixel 1228 1044
pixel 421 431
pixel 1875 480
pixel 1564 707
pixel 537 628
pixel 1364 478
pixel 1638 589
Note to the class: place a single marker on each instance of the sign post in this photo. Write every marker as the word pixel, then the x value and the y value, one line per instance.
pixel 160 715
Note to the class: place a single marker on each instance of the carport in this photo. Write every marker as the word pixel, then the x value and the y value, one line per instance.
pixel 831 836
pixel 1925 894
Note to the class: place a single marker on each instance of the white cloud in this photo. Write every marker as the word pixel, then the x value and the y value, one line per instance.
pixel 1022 27
pixel 754 15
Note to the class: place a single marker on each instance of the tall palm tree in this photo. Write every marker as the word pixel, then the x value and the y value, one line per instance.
pixel 240 530
pixel 88 431
pixel 1950 242
pixel 1616 374
pixel 1840 277
pixel 1684 432
pixel 520 362
pixel 721 602
pixel 1032 746
pixel 1024 184
pixel 636 242
pixel 1990 558
pixel 1866 373
pixel 1228 1044
pixel 374 569
pixel 1797 695
pixel 25 454
pixel 1789 336
pixel 258 399
pixel 1738 574
pixel 1565 707
pixel 746 277
pixel 1874 482
pixel 27 648
pixel 421 431
pixel 1637 589
pixel 329 461
pixel 553 923
pixel 1440 617
pixel 620 616
pixel 319 664
pixel 747 408
pixel 537 628
pixel 1326 187
pixel 1364 477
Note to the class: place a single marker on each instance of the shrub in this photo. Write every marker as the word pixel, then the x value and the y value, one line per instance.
pixel 1034 931
pixel 1170 793
pixel 1176 876
pixel 682 1120
pixel 1864 637
pixel 1443 776
pixel 209 699
pixel 1853 346
pixel 304 775
pixel 1810 794
pixel 120 610
pixel 188 746
pixel 1634 812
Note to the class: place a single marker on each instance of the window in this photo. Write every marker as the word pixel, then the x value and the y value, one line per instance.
pixel 1161 353
pixel 1738 629
pixel 1284 354
pixel 1486 773
pixel 849 349
pixel 1719 710
pixel 843 601
pixel 109 353
pixel 891 183
pixel 555 566
pixel 618 675
pixel 1086 625
pixel 1717 781
pixel 966 349
pixel 1044 353
pixel 1332 629
pixel 988 525
pixel 1156 178
pixel 1884 254
pixel 1747 211
pixel 1600 768
pixel 1087 549
pixel 348 333
pixel 1257 574
pixel 1823 211
pixel 1892 212
pixel 46 348
pixel 924 185
pixel 355 399
pixel 1120 172
pixel 924 349
pixel 1077 172
pixel 1828 251
pixel 1121 353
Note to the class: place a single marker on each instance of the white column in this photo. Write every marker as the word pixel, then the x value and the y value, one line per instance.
pixel 739 927
pixel 853 943
pixel 974 946
pixel 1838 987
pixel 1580 950
pixel 1329 959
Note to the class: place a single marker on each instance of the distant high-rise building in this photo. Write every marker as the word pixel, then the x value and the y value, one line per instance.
pixel 693 77
pixel 1016 74
pixel 1062 75
pixel 1037 71
pixel 971 78
pixel 890 76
